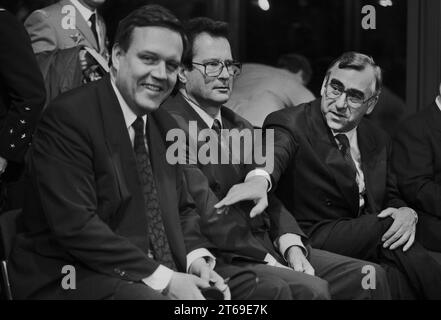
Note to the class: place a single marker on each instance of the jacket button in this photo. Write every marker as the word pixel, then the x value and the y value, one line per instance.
pixel 328 202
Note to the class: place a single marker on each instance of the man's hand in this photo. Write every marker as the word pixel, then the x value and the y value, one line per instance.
pixel 297 260
pixel 3 165
pixel 254 189
pixel 402 231
pixel 184 286
pixel 201 268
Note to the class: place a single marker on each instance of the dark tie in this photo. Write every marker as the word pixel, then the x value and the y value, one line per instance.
pixel 217 127
pixel 92 20
pixel 157 237
pixel 345 149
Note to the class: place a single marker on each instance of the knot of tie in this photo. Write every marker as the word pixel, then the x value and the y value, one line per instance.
pixel 216 126
pixel 138 126
pixel 344 142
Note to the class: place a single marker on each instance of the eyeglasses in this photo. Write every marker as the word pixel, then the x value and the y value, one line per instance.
pixel 214 68
pixel 354 98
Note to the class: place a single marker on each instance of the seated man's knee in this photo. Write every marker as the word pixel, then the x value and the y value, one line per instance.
pixel 313 289
pixel 271 288
pixel 375 282
pixel 319 290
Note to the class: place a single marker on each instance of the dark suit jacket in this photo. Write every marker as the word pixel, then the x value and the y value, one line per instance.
pixel 417 163
pixel 417 160
pixel 311 173
pixel 22 93
pixel 235 233
pixel 85 206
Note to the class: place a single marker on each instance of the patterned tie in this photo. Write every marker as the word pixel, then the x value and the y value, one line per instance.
pixel 346 151
pixel 157 237
pixel 92 20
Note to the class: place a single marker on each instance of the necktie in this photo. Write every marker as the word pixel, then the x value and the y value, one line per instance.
pixel 217 127
pixel 92 20
pixel 345 149
pixel 157 237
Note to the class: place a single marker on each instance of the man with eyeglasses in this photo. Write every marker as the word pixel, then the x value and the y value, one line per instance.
pixel 272 244
pixel 331 171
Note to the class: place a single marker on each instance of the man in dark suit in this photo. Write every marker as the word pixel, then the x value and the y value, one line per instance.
pixel 331 171
pixel 96 212
pixel 22 96
pixel 417 163
pixel 267 248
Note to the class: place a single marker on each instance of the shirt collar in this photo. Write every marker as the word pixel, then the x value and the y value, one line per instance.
pixel 208 119
pixel 438 102
pixel 129 115
pixel 85 12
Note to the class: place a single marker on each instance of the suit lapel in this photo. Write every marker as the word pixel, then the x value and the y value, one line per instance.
pixel 326 148
pixel 121 150
pixel 165 181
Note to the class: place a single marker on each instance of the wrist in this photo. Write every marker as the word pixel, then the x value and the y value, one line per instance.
pixel 415 215
pixel 293 248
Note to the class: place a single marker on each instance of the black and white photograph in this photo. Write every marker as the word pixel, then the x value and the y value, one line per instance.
pixel 243 151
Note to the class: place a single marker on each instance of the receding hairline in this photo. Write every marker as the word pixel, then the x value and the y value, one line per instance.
pixel 373 76
pixel 209 35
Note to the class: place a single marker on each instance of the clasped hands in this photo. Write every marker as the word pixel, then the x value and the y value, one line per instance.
pixel 183 286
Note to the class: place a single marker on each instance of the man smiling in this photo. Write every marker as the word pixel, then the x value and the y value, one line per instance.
pixel 100 200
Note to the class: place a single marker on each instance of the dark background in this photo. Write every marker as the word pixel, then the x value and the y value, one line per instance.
pixel 406 42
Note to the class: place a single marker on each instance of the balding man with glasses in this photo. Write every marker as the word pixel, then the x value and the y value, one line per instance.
pixel 332 172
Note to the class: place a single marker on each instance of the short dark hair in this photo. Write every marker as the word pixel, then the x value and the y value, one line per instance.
pixel 196 26
pixel 295 63
pixel 358 61
pixel 147 16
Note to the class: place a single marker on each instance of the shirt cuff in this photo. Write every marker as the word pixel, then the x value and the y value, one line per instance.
pixel 288 240
pixel 270 260
pixel 260 172
pixel 159 279
pixel 201 253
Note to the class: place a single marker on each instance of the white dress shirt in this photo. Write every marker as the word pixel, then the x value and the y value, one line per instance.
pixel 160 278
pixel 356 157
pixel 285 241
pixel 438 102
pixel 86 13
